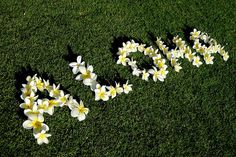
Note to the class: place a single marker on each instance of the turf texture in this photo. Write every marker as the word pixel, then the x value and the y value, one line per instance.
pixel 193 113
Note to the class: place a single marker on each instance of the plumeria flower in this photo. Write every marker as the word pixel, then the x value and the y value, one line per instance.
pixel 35 123
pixel 130 46
pixel 208 58
pixel 163 73
pixel 145 75
pixel 87 75
pixel 127 87
pixel 119 89
pixel 197 44
pixel 132 63
pixel 196 61
pixel 122 51
pixel 101 94
pixel 190 56
pixel 141 47
pixel 43 104
pixel 47 85
pixel 177 67
pixel 161 64
pixel 79 111
pixel 55 92
pixel 30 79
pixel 156 74
pixel 63 98
pixel 136 72
pixel 165 50
pixel 76 65
pixel 28 88
pixel 34 112
pixel 39 84
pixel 27 104
pixel 112 91
pixel 202 49
pixel 71 103
pixel 156 58
pixel 32 97
pixel 123 60
pixel 51 104
pixel 225 56
pixel 148 50
pixel 205 38
pixel 42 137
pixel 48 105
pixel 195 34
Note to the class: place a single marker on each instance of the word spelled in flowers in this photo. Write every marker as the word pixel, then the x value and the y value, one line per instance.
pixel 35 108
pixel 203 46
pixel 89 78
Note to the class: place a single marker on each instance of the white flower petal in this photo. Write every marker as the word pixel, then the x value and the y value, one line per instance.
pixel 81 117
pixel 79 58
pixel 27 124
pixel 74 113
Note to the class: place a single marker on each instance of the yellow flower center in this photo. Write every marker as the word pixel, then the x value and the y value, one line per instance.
pixel 86 75
pixel 113 91
pixel 56 92
pixel 101 94
pixel 36 124
pixel 63 99
pixel 39 85
pixel 42 136
pixel 81 109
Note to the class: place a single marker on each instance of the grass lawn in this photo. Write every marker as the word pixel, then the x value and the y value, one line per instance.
pixel 192 113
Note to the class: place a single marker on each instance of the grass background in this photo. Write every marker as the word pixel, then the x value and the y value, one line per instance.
pixel 193 113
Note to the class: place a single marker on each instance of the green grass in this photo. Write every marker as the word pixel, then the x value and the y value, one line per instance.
pixel 193 113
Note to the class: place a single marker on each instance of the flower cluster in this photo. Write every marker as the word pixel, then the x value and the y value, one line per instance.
pixel 159 71
pixel 35 108
pixel 203 46
pixel 102 92
pixel 172 55
pixel 206 46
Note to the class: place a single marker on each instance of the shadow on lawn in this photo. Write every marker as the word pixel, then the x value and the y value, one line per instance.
pixel 187 30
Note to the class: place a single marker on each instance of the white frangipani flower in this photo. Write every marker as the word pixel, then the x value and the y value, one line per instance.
pixel 196 61
pixel 55 92
pixel 87 75
pixel 35 123
pixel 208 58
pixel 112 91
pixel 27 104
pixel 79 111
pixel 63 98
pixel 225 56
pixel 119 89
pixel 127 87
pixel 123 60
pixel 156 74
pixel 132 63
pixel 145 75
pixel 101 94
pixel 76 65
pixel 42 137
pixel 136 72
